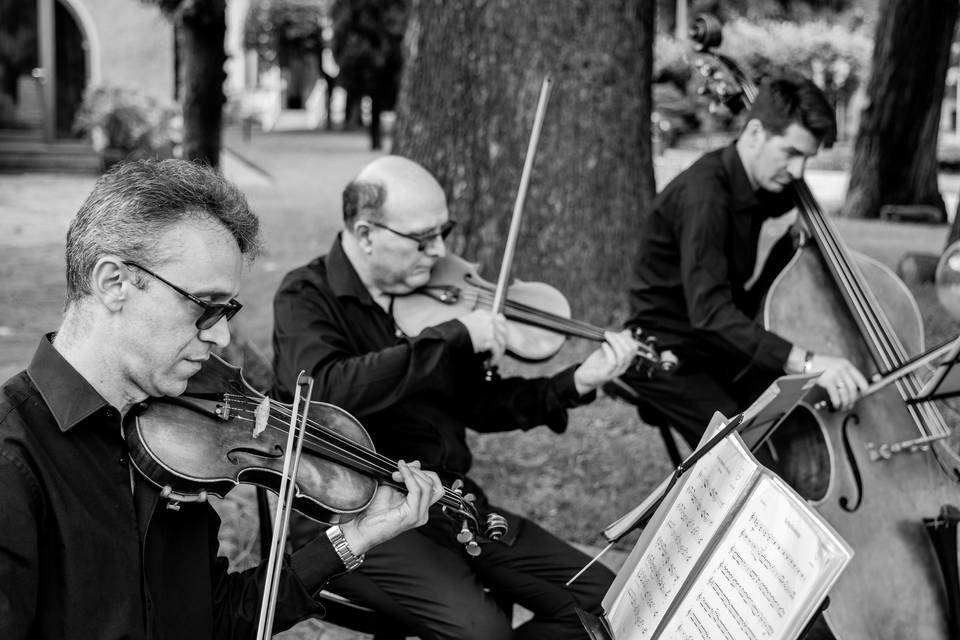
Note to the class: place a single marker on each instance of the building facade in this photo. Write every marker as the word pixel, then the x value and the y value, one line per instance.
pixel 53 50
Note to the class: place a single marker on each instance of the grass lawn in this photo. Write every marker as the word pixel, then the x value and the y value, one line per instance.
pixel 574 484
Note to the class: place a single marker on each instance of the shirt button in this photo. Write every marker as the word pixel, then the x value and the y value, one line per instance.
pixel 122 461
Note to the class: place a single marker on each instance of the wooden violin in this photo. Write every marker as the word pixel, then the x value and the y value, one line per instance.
pixel 538 314
pixel 221 433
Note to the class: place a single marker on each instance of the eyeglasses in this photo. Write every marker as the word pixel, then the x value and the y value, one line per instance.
pixel 424 239
pixel 211 312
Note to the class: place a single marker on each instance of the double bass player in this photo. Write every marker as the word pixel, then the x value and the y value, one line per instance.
pixel 697 251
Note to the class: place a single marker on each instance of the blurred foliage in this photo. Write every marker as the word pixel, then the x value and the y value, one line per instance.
pixel 837 11
pixel 835 57
pixel 368 47
pixel 127 119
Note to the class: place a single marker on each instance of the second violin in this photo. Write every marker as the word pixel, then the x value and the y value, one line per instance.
pixel 538 314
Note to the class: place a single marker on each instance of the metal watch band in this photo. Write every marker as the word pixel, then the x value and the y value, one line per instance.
pixel 350 560
pixel 807 361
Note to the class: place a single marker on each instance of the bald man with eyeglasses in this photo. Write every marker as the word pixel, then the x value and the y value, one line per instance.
pixel 417 396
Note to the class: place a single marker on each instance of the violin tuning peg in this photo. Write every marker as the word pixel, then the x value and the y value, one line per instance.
pixel 668 361
pixel 496 526
pixel 473 549
pixel 469 498
pixel 457 486
pixel 465 536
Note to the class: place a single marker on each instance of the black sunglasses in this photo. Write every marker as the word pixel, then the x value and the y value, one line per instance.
pixel 425 239
pixel 211 312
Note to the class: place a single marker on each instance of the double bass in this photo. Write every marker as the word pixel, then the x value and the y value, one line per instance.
pixel 882 472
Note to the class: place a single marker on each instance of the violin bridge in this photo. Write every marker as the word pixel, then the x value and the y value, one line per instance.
pixel 261 415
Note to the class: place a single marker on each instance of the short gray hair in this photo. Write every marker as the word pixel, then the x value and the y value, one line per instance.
pixel 363 198
pixel 135 202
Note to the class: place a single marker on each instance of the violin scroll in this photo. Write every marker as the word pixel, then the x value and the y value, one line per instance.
pixel 650 356
pixel 471 534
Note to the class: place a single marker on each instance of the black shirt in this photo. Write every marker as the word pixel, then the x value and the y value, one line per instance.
pixel 697 250
pixel 415 395
pixel 83 554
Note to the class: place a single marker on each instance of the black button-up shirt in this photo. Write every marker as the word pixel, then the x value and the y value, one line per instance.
pixel 415 395
pixel 83 554
pixel 697 250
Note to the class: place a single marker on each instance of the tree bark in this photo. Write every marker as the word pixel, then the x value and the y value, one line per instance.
pixel 895 154
pixel 472 76
pixel 202 33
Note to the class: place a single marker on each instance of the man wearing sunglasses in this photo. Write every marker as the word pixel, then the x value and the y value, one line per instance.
pixel 417 396
pixel 88 548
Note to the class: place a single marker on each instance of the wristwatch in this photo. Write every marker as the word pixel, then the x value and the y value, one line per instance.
pixel 350 560
pixel 807 361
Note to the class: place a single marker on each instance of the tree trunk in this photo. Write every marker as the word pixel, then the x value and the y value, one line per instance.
pixel 895 154
pixel 202 33
pixel 468 95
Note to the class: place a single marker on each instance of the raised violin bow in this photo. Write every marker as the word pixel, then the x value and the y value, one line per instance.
pixel 513 234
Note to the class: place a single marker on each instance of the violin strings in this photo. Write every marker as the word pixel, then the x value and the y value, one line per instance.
pixel 340 443
pixel 539 317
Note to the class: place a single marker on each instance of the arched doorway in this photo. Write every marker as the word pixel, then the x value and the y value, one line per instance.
pixel 71 69
pixel 44 67
pixel 21 101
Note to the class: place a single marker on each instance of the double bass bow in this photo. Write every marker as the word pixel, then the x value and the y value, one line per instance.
pixel 833 300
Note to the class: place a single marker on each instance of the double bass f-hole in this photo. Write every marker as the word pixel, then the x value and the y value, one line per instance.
pixel 844 501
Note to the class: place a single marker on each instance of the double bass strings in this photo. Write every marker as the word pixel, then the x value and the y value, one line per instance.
pixel 864 304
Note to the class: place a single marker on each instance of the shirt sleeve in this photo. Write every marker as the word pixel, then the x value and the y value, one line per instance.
pixel 704 235
pixel 237 596
pixel 524 403
pixel 20 508
pixel 311 334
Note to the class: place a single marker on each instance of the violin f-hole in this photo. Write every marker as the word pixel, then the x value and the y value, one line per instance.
pixel 234 454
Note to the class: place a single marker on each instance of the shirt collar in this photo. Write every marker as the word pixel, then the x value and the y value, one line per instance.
pixel 342 276
pixel 68 395
pixel 744 197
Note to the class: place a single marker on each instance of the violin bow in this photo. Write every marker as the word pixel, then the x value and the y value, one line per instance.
pixel 500 293
pixel 285 497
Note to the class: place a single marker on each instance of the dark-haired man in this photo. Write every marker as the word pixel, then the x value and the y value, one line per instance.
pixel 88 547
pixel 696 254
pixel 418 395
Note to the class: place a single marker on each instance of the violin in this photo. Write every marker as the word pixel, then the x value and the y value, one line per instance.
pixel 538 315
pixel 221 433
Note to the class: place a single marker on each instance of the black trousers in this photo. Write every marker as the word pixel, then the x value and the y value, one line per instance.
pixel 687 398
pixel 439 591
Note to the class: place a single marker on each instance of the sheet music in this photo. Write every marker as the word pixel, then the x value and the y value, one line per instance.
pixel 707 494
pixel 771 560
